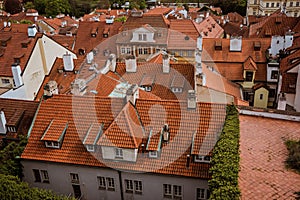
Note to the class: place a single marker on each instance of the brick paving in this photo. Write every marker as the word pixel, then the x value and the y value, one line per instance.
pixel 262 171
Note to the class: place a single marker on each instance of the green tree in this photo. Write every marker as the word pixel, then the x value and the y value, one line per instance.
pixel 29 5
pixel 121 19
pixel 40 6
pixel 10 158
pixel 55 7
pixel 12 187
pixel 12 6
pixel 24 21
pixel 293 160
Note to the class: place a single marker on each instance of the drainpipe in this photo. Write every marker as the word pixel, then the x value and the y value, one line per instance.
pixel 121 184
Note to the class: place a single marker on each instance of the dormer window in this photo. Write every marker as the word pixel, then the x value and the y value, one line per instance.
pixel 94 32
pixel 142 37
pixel 202 158
pixel 54 134
pixel 249 76
pixel 92 136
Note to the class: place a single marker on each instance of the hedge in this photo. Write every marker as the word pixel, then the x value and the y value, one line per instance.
pixel 225 160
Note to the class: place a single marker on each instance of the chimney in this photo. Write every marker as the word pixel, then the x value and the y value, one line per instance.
pixel 165 133
pixel 32 30
pixel 191 101
pixel 198 58
pixel 90 57
pixel 130 63
pixel 188 160
pixel 16 71
pixel 132 94
pixel 166 63
pixel 281 102
pixel 78 87
pixel 2 122
pixel 236 43
pixel 199 43
pixel 68 62
pixel 113 62
pixel 50 88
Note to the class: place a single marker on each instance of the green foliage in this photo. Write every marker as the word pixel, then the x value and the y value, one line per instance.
pixel 10 158
pixel 12 6
pixel 12 187
pixel 24 21
pixel 29 5
pixel 52 7
pixel 293 160
pixel 121 19
pixel 225 160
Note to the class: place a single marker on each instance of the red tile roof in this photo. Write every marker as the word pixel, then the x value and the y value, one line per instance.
pixel 186 27
pixel 154 20
pixel 207 121
pixel 230 64
pixel 55 130
pixel 209 28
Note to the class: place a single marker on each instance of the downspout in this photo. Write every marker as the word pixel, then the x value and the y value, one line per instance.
pixel 121 184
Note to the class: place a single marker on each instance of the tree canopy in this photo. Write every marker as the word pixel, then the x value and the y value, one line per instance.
pixel 52 7
pixel 12 6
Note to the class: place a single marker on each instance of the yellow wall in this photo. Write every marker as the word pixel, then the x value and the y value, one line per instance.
pixel 261 103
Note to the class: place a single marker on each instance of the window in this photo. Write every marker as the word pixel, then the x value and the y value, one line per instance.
pixel 177 191
pixel 11 129
pixel 291 3
pixel 101 183
pixel 261 96
pixel 5 81
pixel 52 144
pixel 140 50
pixel 37 175
pixel 202 194
pixel 255 1
pixel 122 50
pixel 45 176
pixel 142 37
pixel 277 5
pixel 119 153
pixel 272 5
pixel 297 3
pixel 201 158
pixel 90 148
pixel 274 74
pixel 295 14
pixel 110 184
pixel 41 176
pixel 249 76
pixel 167 190
pixel 74 178
pixel 128 50
pixel 138 187
pixel 128 186
pixel 267 5
pixel 146 51
pixel 152 154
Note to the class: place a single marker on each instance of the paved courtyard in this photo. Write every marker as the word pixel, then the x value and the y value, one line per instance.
pixel 263 152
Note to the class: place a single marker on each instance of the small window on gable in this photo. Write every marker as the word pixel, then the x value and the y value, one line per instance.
pixel 201 158
pixel 153 154
pixel 90 148
pixel 274 74
pixel 261 96
pixel 249 76
pixel 54 134
pixel 119 153
pixel 74 178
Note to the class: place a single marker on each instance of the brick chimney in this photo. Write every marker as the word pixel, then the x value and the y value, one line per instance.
pixel 130 63
pixel 2 122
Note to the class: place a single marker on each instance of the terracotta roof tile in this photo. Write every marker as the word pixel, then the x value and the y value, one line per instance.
pixel 153 114
pixel 209 28
pixel 93 134
pixel 154 20
pixel 161 10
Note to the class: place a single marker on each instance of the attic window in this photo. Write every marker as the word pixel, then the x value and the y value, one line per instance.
pixel 17 58
pixel 106 32
pixel 218 45
pixel 257 46
pixel 54 134
pixel 92 136
pixel 25 43
pixel 177 84
pixel 186 38
pixel 278 20
pixel 14 122
pixel 81 51
pixel 213 25
pixel 153 154
pixel 202 159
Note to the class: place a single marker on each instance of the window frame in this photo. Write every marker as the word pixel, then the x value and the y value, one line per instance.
pixel 119 153
pixel 247 77
pixel 274 74
pixel 37 175
pixel 5 81
pixel 153 154
pixel 74 177
pixel 101 183
pixel 128 186
pixel 202 193
pixel 45 176
pixel 177 191
pixel 167 191
pixel 138 187
pixel 110 182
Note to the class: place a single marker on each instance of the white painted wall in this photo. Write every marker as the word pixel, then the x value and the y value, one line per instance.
pixel 128 154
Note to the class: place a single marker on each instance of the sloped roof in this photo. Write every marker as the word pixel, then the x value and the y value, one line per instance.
pixel 186 27
pixel 276 24
pixel 126 131
pixel 154 20
pixel 207 121
pixel 209 28
pixel 250 64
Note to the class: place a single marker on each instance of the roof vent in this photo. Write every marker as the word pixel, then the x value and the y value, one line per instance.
pixel 68 62
pixel 130 63
pixel 94 32
pixel 166 63
pixel 2 122
pixel 218 45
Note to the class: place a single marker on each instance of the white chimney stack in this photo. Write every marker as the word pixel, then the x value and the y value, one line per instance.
pixel 68 62
pixel 90 57
pixel 2 123
pixel 32 31
pixel 50 88
pixel 113 62
pixel 166 63
pixel 236 44
pixel 199 42
pixel 130 63
pixel 281 102
pixel 191 101
pixel 16 71
pixel 132 94
pixel 78 87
